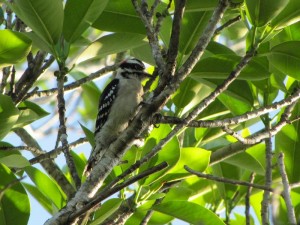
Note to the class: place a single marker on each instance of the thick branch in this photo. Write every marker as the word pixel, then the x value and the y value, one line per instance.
pixel 103 195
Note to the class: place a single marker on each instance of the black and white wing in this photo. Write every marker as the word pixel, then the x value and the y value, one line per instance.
pixel 105 103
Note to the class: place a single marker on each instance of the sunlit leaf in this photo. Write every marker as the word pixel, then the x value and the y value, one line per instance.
pixel 189 212
pixel 286 58
pixel 44 17
pixel 79 15
pixel 14 46
pixel 261 12
pixel 13 210
pixel 8 115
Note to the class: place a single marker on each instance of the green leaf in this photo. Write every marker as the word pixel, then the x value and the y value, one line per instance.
pixel 189 94
pixel 237 98
pixel 44 17
pixel 8 115
pixel 189 212
pixel 89 135
pixel 220 66
pixel 106 210
pixel 80 162
pixel 14 204
pixel 29 112
pixel 252 164
pixel 120 16
pixel 286 58
pixel 289 15
pixel 14 46
pixel 110 44
pixel 90 95
pixel 47 187
pixel 143 53
pixel 79 15
pixel 170 153
pixel 260 12
pixel 288 142
pixel 42 199
pixel 193 24
pixel 195 158
pixel 15 161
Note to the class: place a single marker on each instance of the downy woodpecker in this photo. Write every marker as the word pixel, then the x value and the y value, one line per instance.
pixel 117 106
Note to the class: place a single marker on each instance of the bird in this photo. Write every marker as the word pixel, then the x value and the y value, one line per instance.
pixel 117 106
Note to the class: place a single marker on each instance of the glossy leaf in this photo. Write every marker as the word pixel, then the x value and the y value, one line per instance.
pixel 110 44
pixel 286 58
pixel 47 187
pixel 120 16
pixel 13 210
pixel 170 153
pixel 44 17
pixel 89 135
pixel 288 142
pixel 15 161
pixel 106 210
pixel 29 112
pixel 38 195
pixel 189 212
pixel 252 164
pixel 220 66
pixel 289 15
pixel 14 46
pixel 199 162
pixel 79 15
pixel 260 12
pixel 8 115
pixel 193 24
pixel 189 94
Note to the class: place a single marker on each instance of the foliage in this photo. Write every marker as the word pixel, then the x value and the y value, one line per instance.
pixel 225 127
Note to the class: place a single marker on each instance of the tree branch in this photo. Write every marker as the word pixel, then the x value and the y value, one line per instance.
pixel 104 194
pixel 228 181
pixel 268 181
pixel 62 132
pixel 55 152
pixel 233 120
pixel 286 190
pixel 247 200
pixel 51 168
pixel 74 84
pixel 227 24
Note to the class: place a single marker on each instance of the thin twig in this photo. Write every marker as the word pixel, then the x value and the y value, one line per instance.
pixel 55 152
pixel 48 165
pixel 151 34
pixel 227 24
pixel 233 120
pixel 5 75
pixel 62 132
pixel 74 84
pixel 247 200
pixel 286 190
pixel 30 75
pixel 226 180
pixel 34 150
